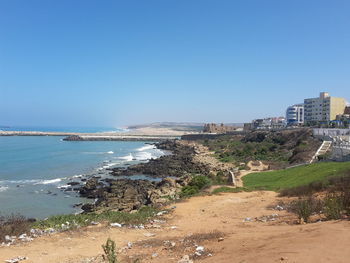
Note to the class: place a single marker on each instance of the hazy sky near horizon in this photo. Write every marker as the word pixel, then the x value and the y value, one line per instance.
pixel 113 63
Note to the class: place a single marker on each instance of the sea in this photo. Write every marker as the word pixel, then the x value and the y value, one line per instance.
pixel 35 170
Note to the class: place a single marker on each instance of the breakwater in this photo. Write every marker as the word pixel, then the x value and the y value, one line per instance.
pixel 92 136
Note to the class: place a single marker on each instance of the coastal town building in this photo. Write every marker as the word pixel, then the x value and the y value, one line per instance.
pixel 271 123
pixel 347 110
pixel 323 109
pixel 295 115
pixel 218 128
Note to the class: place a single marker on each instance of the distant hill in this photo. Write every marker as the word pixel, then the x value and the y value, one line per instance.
pixel 179 126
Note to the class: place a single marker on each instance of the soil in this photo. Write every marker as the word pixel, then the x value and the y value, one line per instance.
pixel 223 224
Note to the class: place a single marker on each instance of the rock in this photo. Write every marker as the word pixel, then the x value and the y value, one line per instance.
pixel 247 219
pixel 15 260
pixel 154 255
pixel 279 208
pixel 200 249
pixel 115 225
pixel 49 231
pixel 25 238
pixel 88 208
pixel 149 234
pixel 220 239
pixel 185 259
pixel 73 183
pixel 162 213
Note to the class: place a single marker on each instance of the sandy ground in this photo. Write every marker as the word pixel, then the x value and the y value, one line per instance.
pixel 157 131
pixel 203 221
pixel 144 131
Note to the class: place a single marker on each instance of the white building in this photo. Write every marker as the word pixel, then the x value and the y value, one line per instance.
pixel 295 114
pixel 324 108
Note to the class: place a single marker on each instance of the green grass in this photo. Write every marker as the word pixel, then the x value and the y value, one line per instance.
pixel 141 216
pixel 225 189
pixel 294 177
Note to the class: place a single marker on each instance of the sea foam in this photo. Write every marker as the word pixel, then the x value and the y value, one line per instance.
pixel 146 147
pixel 127 158
pixel 3 188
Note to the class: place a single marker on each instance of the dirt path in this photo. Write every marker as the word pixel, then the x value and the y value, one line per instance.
pixel 203 220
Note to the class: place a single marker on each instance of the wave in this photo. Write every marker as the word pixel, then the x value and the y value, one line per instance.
pixel 109 152
pixel 144 156
pixel 127 158
pixel 146 147
pixel 51 181
pixel 3 188
pixel 108 165
pixel 29 181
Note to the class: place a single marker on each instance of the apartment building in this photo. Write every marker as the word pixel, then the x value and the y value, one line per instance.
pixel 323 109
pixel 295 114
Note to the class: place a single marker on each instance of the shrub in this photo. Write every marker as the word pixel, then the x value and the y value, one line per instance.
pixel 109 250
pixel 333 206
pixel 13 225
pixel 346 200
pixel 188 191
pixel 200 182
pixel 304 208
pixel 196 184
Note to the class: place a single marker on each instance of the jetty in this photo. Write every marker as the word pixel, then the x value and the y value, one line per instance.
pixel 93 136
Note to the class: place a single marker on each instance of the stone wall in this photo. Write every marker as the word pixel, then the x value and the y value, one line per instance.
pixel 217 128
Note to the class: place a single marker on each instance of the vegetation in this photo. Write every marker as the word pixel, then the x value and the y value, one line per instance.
pixel 13 225
pixel 226 189
pixel 196 184
pixel 60 221
pixel 333 206
pixel 289 179
pixel 109 250
pixel 305 207
pixel 279 148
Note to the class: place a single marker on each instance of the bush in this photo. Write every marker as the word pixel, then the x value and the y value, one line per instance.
pixel 345 195
pixel 304 208
pixel 109 249
pixel 188 191
pixel 196 184
pixel 333 206
pixel 200 182
pixel 13 225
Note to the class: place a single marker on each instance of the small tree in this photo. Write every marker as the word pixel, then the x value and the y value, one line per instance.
pixel 110 253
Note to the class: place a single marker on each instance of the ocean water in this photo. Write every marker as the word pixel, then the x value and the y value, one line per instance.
pixel 62 129
pixel 34 170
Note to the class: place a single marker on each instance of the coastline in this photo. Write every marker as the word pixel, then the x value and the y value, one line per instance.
pixel 93 136
pixel 120 193
pixel 52 182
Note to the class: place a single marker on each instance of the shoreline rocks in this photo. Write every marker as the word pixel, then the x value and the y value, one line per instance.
pixel 129 195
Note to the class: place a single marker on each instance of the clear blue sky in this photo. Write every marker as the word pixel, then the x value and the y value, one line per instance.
pixel 112 63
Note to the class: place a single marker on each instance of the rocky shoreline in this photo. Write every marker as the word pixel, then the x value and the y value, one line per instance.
pixel 124 194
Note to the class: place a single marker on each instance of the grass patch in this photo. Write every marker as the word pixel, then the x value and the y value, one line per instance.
pixel 225 189
pixel 80 220
pixel 294 177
